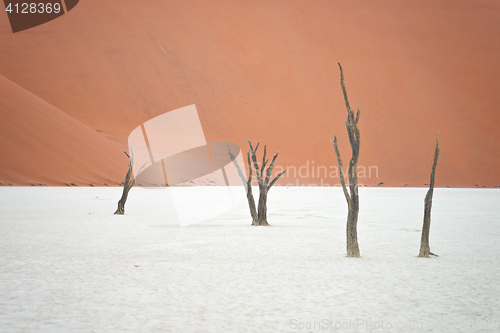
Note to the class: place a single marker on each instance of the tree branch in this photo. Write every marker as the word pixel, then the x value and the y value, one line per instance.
pixel 240 173
pixel 350 134
pixel 270 169
pixel 347 104
pixel 276 178
pixel 436 155
pixel 264 162
pixel 253 151
pixel 249 170
pixel 138 172
pixel 255 163
pixel 339 160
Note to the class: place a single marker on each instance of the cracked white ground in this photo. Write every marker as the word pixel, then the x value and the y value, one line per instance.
pixel 69 265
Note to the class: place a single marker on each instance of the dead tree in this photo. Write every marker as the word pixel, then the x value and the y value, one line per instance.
pixel 263 176
pixel 425 250
pixel 351 196
pixel 127 183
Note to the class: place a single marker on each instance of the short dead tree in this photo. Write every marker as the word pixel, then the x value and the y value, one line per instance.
pixel 351 196
pixel 127 183
pixel 425 250
pixel 263 175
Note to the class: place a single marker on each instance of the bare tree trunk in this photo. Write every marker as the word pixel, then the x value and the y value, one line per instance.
pixel 352 232
pixel 351 196
pixel 262 206
pixel 247 184
pixel 127 184
pixel 262 186
pixel 126 189
pixel 425 250
pixel 259 217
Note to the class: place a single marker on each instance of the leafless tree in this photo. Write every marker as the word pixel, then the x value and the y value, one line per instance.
pixel 425 250
pixel 127 183
pixel 259 215
pixel 351 196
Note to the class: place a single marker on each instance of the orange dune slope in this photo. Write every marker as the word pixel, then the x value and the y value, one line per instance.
pixel 44 145
pixel 266 70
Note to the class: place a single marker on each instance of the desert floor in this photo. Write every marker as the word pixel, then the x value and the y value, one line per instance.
pixel 70 265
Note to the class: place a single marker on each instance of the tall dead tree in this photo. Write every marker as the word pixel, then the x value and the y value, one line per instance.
pixel 425 250
pixel 351 196
pixel 127 183
pixel 263 176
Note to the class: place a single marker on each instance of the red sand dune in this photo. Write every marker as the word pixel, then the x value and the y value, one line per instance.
pixel 44 145
pixel 260 70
